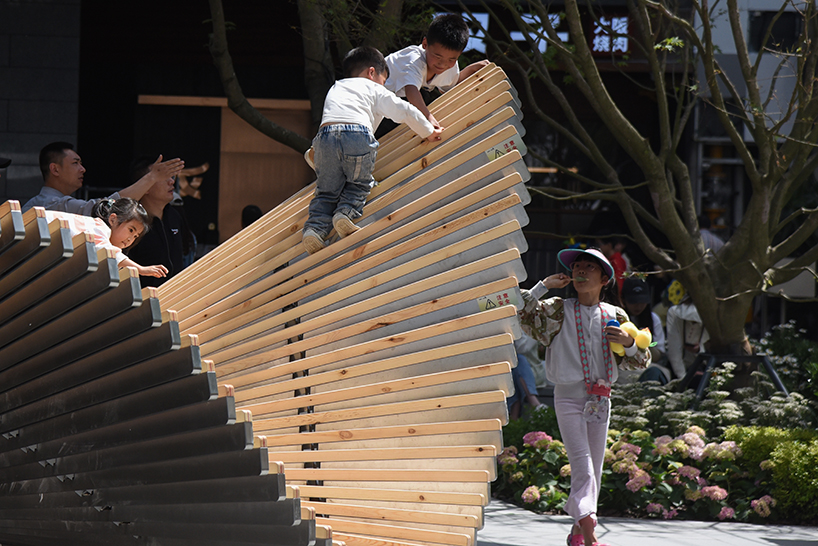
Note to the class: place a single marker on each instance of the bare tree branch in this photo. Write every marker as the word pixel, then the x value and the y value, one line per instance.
pixel 236 100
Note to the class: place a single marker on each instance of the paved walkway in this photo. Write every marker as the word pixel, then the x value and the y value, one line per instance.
pixel 509 525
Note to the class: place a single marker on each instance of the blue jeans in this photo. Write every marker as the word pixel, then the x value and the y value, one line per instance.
pixel 344 157
pixel 524 381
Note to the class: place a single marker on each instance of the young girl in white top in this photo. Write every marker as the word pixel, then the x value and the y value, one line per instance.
pixel 116 225
pixel 582 365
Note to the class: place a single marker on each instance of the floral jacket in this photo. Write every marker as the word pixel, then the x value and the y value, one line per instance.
pixel 546 320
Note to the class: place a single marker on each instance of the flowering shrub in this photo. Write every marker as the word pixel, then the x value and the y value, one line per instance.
pixel 764 466
pixel 685 476
pixel 662 410
pixel 794 356
pixel 537 476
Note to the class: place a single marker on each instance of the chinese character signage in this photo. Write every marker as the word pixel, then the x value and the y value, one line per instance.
pixel 609 35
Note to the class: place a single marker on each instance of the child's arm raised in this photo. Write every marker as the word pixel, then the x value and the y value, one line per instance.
pixel 471 69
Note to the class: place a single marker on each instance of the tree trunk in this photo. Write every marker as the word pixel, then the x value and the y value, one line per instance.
pixel 387 20
pixel 319 72
pixel 235 97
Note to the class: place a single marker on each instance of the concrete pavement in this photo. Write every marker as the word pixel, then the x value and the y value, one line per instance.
pixel 509 525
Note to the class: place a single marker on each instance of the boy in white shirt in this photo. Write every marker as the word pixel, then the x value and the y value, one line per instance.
pixel 345 147
pixel 433 64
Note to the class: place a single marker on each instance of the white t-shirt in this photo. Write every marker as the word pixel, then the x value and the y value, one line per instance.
pixel 408 67
pixel 364 102
pixel 562 360
pixel 85 224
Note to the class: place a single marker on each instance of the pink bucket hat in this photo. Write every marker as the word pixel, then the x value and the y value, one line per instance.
pixel 569 255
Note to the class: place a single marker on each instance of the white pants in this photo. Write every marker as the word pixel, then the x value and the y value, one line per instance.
pixel 585 445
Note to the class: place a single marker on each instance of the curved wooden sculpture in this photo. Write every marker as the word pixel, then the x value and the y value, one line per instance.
pixel 266 396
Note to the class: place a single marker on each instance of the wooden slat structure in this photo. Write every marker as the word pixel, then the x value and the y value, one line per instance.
pixel 265 396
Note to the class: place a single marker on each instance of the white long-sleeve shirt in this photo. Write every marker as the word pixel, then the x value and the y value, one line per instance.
pixel 364 102
pixel 680 358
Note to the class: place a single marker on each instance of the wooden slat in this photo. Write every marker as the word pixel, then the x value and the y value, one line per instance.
pixel 342 526
pixel 289 291
pixel 37 237
pixel 12 228
pixel 392 514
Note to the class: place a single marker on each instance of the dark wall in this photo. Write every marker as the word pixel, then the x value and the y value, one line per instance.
pixel 160 48
pixel 39 90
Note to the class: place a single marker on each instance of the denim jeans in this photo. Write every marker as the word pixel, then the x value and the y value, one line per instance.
pixel 524 381
pixel 344 157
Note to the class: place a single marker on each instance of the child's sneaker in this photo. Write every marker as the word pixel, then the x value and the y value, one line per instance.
pixel 343 224
pixel 312 241
pixel 575 540
pixel 309 157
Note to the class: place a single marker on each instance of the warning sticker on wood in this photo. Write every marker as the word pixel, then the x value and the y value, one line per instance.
pixel 502 149
pixel 491 301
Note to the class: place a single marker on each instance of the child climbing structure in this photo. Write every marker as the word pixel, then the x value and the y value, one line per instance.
pixel 267 396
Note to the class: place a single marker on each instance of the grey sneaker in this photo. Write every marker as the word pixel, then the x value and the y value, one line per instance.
pixel 312 241
pixel 343 224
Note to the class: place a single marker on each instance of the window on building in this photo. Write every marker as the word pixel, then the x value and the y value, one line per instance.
pixel 785 32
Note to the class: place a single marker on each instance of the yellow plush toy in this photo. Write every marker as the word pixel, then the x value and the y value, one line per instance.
pixel 643 338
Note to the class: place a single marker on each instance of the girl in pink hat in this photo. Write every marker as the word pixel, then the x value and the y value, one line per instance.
pixel 582 366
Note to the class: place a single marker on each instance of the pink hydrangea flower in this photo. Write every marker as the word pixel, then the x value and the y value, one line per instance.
pixel 692 440
pixel 769 500
pixel 711 450
pixel 725 455
pixel 625 466
pixel 543 443
pixel 507 457
pixel 731 446
pixel 565 471
pixel 689 472
pixel 697 430
pixel 638 480
pixel 670 514
pixel 762 506
pixel 663 440
pixel 654 508
pixel 679 446
pixel 531 494
pixel 727 513
pixel 535 436
pixel 696 453
pixel 609 456
pixel 714 492
pixel 628 448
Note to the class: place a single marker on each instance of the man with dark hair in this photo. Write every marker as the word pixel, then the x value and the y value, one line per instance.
pixel 63 174
pixel 169 238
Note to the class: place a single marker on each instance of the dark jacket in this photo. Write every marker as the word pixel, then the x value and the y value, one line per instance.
pixel 163 244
